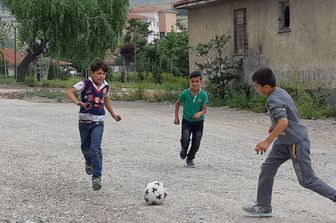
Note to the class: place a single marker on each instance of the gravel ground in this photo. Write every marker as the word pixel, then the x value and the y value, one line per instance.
pixel 43 177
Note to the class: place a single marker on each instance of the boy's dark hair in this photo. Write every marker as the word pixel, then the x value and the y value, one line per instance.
pixel 264 76
pixel 98 64
pixel 195 73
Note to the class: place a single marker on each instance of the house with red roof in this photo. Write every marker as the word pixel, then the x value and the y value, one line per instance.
pixel 161 21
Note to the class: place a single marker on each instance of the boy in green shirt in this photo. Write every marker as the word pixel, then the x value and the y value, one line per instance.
pixel 194 101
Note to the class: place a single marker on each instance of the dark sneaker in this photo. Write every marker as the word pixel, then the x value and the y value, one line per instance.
pixel 183 153
pixel 96 183
pixel 258 211
pixel 88 169
pixel 190 163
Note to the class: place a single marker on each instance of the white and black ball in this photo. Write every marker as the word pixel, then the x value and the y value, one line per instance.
pixel 155 193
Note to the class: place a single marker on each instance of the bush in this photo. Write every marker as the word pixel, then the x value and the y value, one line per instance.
pixel 30 81
pixel 309 105
pixel 5 79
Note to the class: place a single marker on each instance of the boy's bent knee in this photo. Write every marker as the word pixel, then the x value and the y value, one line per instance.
pixel 307 183
pixel 185 142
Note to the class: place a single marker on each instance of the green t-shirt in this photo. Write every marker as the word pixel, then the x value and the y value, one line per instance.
pixel 193 104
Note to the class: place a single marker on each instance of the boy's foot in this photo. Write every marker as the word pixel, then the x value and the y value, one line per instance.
pixel 88 169
pixel 190 163
pixel 96 183
pixel 258 211
pixel 183 153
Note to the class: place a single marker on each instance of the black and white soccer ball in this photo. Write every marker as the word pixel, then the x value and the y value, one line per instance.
pixel 155 193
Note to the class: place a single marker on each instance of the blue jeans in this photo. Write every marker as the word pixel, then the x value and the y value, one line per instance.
pixel 196 129
pixel 91 135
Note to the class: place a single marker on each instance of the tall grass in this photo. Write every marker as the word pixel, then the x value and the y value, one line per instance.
pixel 310 106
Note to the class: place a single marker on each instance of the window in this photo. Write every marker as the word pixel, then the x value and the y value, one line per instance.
pixel 240 31
pixel 284 19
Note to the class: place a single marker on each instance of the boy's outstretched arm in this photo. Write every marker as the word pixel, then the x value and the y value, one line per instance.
pixel 278 129
pixel 72 95
pixel 177 110
pixel 109 108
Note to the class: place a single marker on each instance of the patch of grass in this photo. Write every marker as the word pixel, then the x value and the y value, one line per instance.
pixel 50 94
pixel 238 99
pixel 310 105
pixel 5 79
pixel 145 91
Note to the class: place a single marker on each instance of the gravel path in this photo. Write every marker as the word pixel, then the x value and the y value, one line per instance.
pixel 43 178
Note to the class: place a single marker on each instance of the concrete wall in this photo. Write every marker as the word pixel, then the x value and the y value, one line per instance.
pixel 167 21
pixel 307 52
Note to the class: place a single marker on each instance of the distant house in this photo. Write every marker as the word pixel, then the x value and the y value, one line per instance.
pixel 161 21
pixel 294 38
pixel 8 55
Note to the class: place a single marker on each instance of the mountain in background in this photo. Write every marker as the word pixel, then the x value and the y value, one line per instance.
pixel 157 3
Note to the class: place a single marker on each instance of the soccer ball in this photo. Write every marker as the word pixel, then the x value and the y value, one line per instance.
pixel 155 193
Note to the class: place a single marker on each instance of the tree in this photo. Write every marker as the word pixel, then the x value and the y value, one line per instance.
pixel 136 36
pixel 3 32
pixel 174 49
pixel 137 32
pixel 221 70
pixel 73 30
pixel 3 37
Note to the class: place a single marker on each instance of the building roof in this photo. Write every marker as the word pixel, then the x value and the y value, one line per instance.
pixel 144 9
pixel 138 16
pixel 185 4
pixel 9 55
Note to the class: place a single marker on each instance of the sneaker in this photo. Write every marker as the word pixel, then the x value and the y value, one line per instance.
pixel 190 163
pixel 88 169
pixel 183 153
pixel 96 183
pixel 257 211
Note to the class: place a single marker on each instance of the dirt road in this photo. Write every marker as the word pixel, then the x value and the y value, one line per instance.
pixel 43 178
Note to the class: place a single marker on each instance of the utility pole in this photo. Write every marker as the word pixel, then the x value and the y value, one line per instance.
pixel 14 24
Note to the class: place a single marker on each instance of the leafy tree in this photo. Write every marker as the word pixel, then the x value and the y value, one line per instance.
pixel 68 29
pixel 137 32
pixel 148 59
pixel 222 70
pixel 135 39
pixel 174 50
pixel 3 37
pixel 3 32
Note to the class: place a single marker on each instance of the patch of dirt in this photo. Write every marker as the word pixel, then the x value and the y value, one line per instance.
pixel 43 176
pixel 22 92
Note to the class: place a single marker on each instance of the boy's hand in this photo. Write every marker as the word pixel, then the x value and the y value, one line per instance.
pixel 197 116
pixel 116 117
pixel 81 104
pixel 262 147
pixel 176 121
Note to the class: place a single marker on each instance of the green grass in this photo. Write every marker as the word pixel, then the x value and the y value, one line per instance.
pixel 9 80
pixel 57 95
pixel 309 105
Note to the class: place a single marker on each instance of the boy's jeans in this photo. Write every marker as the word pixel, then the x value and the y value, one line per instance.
pixel 196 129
pixel 91 136
pixel 299 153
